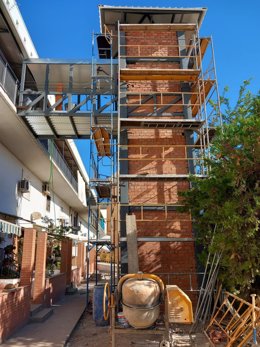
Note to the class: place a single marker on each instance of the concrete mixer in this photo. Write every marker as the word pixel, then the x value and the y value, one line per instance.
pixel 141 297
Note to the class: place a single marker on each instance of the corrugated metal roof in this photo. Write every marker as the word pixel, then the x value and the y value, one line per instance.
pixel 43 125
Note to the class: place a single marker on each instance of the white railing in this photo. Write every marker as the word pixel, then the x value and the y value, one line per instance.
pixel 57 158
pixel 8 81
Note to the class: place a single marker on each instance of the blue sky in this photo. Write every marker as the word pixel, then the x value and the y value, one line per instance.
pixel 62 29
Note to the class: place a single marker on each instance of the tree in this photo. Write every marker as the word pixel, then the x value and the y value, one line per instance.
pixel 226 204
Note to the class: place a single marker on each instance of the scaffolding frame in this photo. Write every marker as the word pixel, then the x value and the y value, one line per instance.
pixel 102 163
pixel 144 109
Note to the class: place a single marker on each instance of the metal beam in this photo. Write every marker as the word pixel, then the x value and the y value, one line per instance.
pixel 101 109
pixel 132 108
pixel 59 61
pixel 164 108
pixel 57 103
pixel 161 239
pixel 51 127
pixel 24 67
pixel 35 101
pixel 124 177
pixel 73 126
pixel 142 19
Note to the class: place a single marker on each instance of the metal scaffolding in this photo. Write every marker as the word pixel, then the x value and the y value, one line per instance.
pixel 183 105
pixel 102 160
pixel 99 100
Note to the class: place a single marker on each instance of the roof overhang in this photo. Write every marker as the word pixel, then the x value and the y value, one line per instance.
pixel 111 15
pixel 18 29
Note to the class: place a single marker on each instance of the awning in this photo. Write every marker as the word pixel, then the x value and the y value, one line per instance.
pixel 10 228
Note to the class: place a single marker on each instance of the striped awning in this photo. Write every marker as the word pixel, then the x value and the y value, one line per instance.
pixel 10 228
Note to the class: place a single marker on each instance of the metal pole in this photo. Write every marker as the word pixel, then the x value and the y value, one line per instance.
pixel 118 142
pixel 90 172
pixel 22 84
pixel 215 73
pixel 253 296
pixel 112 321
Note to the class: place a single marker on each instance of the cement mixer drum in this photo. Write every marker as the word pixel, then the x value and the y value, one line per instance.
pixel 141 302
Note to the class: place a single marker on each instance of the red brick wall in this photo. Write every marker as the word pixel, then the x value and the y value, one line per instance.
pixel 15 310
pixel 158 257
pixel 154 43
pixel 54 288
pixel 28 258
pixel 66 259
pixel 40 266
pixel 92 261
pixel 150 145
pixel 76 276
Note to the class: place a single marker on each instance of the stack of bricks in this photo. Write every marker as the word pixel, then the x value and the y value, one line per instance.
pixel 158 151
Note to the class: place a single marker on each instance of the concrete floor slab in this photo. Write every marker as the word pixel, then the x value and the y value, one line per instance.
pixel 55 331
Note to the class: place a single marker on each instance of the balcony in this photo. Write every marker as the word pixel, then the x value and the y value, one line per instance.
pixel 8 80
pixel 55 154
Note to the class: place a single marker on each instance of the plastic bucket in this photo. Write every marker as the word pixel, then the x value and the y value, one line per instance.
pixel 122 321
pixel 98 315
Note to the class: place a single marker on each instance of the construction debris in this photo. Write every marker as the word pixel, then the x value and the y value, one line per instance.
pixel 235 322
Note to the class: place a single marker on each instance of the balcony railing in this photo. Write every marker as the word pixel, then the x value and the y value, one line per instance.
pixel 8 80
pixel 57 157
pixel 55 154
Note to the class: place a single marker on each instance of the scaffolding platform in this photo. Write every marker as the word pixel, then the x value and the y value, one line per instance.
pixel 153 122
pixel 102 186
pixel 159 27
pixel 189 75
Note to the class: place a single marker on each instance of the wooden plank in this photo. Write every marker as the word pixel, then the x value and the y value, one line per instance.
pixel 97 135
pixel 198 101
pixel 101 137
pixel 158 27
pixel 204 42
pixel 132 248
pixel 106 140
pixel 159 74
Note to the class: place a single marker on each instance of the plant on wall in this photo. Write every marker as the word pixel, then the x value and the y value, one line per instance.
pixel 226 204
pixel 9 268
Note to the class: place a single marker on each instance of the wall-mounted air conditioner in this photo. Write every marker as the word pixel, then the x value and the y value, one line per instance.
pixel 24 186
pixel 46 188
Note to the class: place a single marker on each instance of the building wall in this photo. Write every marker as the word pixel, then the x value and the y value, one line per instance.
pixel 158 257
pixel 12 202
pixel 15 310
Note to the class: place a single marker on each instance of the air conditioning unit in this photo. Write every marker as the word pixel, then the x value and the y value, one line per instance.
pixel 24 186
pixel 46 188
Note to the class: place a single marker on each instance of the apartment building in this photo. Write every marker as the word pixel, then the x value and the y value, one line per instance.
pixel 43 192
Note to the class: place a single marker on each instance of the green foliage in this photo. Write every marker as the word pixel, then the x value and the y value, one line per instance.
pixel 226 205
